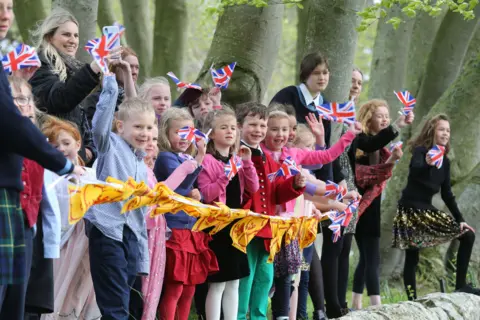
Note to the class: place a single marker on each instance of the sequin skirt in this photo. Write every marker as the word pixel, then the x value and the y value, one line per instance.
pixel 288 260
pixel 423 228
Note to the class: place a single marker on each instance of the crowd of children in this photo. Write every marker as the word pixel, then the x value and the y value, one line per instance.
pixel 132 266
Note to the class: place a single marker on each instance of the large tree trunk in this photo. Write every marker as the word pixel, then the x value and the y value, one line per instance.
pixel 389 59
pixel 136 16
pixel 106 15
pixel 169 36
pixel 250 36
pixel 27 14
pixel 302 24
pixel 445 59
pixel 460 103
pixel 86 13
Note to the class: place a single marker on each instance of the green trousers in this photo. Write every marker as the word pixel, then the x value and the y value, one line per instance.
pixel 254 289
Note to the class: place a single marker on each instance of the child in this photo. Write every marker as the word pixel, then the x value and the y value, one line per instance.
pixel 200 102
pixel 157 91
pixel 215 186
pixel 371 171
pixel 418 224
pixel 252 121
pixel 73 292
pixel 189 259
pixel 118 245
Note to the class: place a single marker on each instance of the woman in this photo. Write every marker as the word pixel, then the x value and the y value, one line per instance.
pixel 62 82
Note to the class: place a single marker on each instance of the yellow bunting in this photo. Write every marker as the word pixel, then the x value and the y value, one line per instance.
pixel 224 221
pixel 81 199
pixel 279 227
pixel 292 232
pixel 308 231
pixel 245 230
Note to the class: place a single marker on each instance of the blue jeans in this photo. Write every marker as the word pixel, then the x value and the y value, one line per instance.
pixel 303 285
pixel 113 266
pixel 281 297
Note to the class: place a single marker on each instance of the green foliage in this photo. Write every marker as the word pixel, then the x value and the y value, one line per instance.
pixel 410 8
pixel 217 8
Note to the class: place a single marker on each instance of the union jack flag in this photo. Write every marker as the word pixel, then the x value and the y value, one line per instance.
pixel 288 168
pixel 352 207
pixel 395 144
pixel 333 189
pixel 338 112
pixel 121 28
pixel 191 134
pixel 337 230
pixel 407 100
pixel 21 57
pixel 436 153
pixel 231 168
pixel 102 47
pixel 91 44
pixel 221 77
pixel 181 84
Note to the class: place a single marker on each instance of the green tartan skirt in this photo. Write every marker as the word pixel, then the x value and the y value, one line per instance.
pixel 12 238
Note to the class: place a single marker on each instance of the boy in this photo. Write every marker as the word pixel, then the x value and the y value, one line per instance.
pixel 253 290
pixel 118 244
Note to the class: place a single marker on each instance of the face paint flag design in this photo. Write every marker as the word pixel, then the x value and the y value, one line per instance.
pixel 221 77
pixel 338 112
pixel 407 100
pixel 333 189
pixel 191 134
pixel 231 168
pixel 181 84
pixel 21 57
pixel 436 153
pixel 395 144
pixel 288 168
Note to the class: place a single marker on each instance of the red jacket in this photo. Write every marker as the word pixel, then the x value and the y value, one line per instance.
pixel 31 196
pixel 270 194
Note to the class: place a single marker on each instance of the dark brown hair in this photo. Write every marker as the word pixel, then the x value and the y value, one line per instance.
pixel 309 63
pixel 127 51
pixel 251 109
pixel 426 137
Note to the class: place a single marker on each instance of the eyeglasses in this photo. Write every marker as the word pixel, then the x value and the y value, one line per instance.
pixel 22 100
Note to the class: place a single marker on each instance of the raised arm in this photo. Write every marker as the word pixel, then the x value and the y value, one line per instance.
pixel 368 143
pixel 211 182
pixel 305 157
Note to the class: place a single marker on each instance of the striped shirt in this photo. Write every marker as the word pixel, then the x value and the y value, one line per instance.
pixel 117 159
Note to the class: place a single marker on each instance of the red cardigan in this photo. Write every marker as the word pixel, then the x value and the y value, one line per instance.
pixel 31 196
pixel 270 194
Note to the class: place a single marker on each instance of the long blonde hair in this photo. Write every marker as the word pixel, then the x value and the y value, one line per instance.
pixel 426 137
pixel 365 114
pixel 146 87
pixel 45 31
pixel 171 114
pixel 210 123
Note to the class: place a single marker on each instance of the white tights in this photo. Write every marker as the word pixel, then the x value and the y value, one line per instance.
pixel 222 294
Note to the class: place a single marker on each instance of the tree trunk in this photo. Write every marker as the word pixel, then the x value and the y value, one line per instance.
pixel 301 33
pixel 389 59
pixel 250 36
pixel 445 60
pixel 86 13
pixel 136 16
pixel 460 103
pixel 473 45
pixel 169 37
pixel 106 15
pixel 27 14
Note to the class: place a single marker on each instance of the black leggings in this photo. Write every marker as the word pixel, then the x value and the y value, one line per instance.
pixel 343 269
pixel 315 284
pixel 368 268
pixel 463 259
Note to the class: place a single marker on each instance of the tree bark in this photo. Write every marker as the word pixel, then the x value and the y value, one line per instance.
pixel 445 60
pixel 474 45
pixel 250 36
pixel 301 33
pixel 27 14
pixel 136 16
pixel 85 11
pixel 390 59
pixel 106 15
pixel 169 36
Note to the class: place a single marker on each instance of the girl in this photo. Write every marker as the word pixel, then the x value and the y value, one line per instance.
pixel 200 102
pixel 418 224
pixel 157 90
pixel 189 259
pixel 371 171
pixel 74 294
pixel 62 82
pixel 216 187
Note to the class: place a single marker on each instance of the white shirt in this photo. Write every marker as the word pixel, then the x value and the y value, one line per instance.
pixel 318 100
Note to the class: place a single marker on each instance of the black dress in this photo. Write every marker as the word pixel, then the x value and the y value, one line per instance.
pixel 233 263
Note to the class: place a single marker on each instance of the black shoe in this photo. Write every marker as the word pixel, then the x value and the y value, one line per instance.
pixel 319 315
pixel 469 289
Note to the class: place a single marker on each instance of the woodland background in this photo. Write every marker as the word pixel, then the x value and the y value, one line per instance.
pixel 429 47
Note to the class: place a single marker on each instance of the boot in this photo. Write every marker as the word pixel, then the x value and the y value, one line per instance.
pixel 319 315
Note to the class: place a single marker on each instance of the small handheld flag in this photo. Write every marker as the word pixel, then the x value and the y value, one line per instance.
pixel 437 153
pixel 334 190
pixel 407 100
pixel 394 145
pixel 191 134
pixel 337 112
pixel 288 168
pixel 231 168
pixel 21 57
pixel 221 77
pixel 181 84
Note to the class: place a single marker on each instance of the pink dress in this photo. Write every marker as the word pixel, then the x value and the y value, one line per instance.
pixel 152 285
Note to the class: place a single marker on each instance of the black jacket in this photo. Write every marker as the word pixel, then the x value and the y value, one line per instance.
pixel 64 98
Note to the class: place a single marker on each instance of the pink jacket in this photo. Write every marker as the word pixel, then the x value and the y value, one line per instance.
pixel 212 180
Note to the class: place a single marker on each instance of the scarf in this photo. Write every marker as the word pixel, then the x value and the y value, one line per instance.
pixel 373 178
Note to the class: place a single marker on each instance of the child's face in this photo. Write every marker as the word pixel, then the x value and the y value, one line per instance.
pixel 380 120
pixel 307 142
pixel 204 106
pixel 253 130
pixel 224 133
pixel 23 99
pixel 292 121
pixel 277 134
pixel 318 79
pixel 161 98
pixel 442 132
pixel 356 87
pixel 152 144
pixel 136 129
pixel 178 144
pixel 67 145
